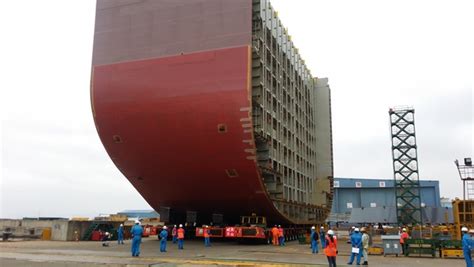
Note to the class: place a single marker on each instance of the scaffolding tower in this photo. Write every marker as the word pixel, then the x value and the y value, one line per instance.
pixel 466 173
pixel 405 165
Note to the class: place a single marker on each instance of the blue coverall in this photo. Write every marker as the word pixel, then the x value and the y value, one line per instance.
pixel 137 232
pixel 322 237
pixel 314 242
pixel 467 244
pixel 163 238
pixel 356 242
pixel 120 235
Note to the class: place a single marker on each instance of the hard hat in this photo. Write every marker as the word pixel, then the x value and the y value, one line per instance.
pixel 137 221
pixel 353 227
pixel 312 227
pixel 121 224
pixel 363 229
pixel 322 227
pixel 404 229
pixel 175 225
pixel 464 229
pixel 180 225
pixel 106 233
pixel 164 227
pixel 471 231
pixel 207 226
pixel 356 229
pixel 279 225
pixel 330 232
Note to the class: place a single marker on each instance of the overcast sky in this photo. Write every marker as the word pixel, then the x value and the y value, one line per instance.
pixel 376 54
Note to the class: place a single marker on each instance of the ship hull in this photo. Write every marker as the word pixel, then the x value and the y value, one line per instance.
pixel 180 129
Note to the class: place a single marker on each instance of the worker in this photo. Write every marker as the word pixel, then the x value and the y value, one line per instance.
pixel 76 235
pixel 314 240
pixel 163 238
pixel 322 237
pixel 207 236
pixel 356 244
pixel 105 239
pixel 365 245
pixel 174 233
pixel 403 240
pixel 281 235
pixel 466 246
pixel 275 234
pixel 180 237
pixel 331 248
pixel 351 231
pixel 136 232
pixel 120 235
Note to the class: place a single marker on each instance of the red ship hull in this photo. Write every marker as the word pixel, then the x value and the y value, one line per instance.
pixel 180 129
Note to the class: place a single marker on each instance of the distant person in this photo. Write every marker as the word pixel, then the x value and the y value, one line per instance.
pixel 76 235
pixel 275 234
pixel 403 240
pixel 314 240
pixel 322 237
pixel 365 245
pixel 331 248
pixel 467 245
pixel 174 233
pixel 207 236
pixel 180 237
pixel 120 235
pixel 136 232
pixel 163 238
pixel 281 235
pixel 351 231
pixel 105 239
pixel 356 244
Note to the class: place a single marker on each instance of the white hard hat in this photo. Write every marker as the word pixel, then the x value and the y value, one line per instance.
pixel 356 229
pixel 137 221
pixel 180 225
pixel 404 229
pixel 322 227
pixel 330 232
pixel 464 229
pixel 106 233
pixel 312 227
pixel 164 227
pixel 353 227
pixel 121 224
pixel 175 225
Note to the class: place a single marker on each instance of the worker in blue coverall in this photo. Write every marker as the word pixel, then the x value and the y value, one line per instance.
pixel 136 232
pixel 356 242
pixel 467 244
pixel 314 240
pixel 120 235
pixel 163 238
pixel 322 237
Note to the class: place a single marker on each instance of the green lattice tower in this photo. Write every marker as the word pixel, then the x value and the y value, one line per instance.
pixel 405 166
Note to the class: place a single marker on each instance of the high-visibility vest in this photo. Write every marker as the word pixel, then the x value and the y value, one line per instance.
pixel 280 231
pixel 331 247
pixel 180 233
pixel 403 236
pixel 206 233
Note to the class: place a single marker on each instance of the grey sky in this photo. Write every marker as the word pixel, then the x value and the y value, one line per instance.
pixel 376 54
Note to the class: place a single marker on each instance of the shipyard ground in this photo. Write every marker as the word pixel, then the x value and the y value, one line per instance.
pixel 72 254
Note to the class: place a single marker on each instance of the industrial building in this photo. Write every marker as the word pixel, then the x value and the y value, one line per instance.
pixel 373 200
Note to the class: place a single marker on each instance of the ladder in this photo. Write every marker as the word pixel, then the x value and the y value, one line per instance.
pixel 87 235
